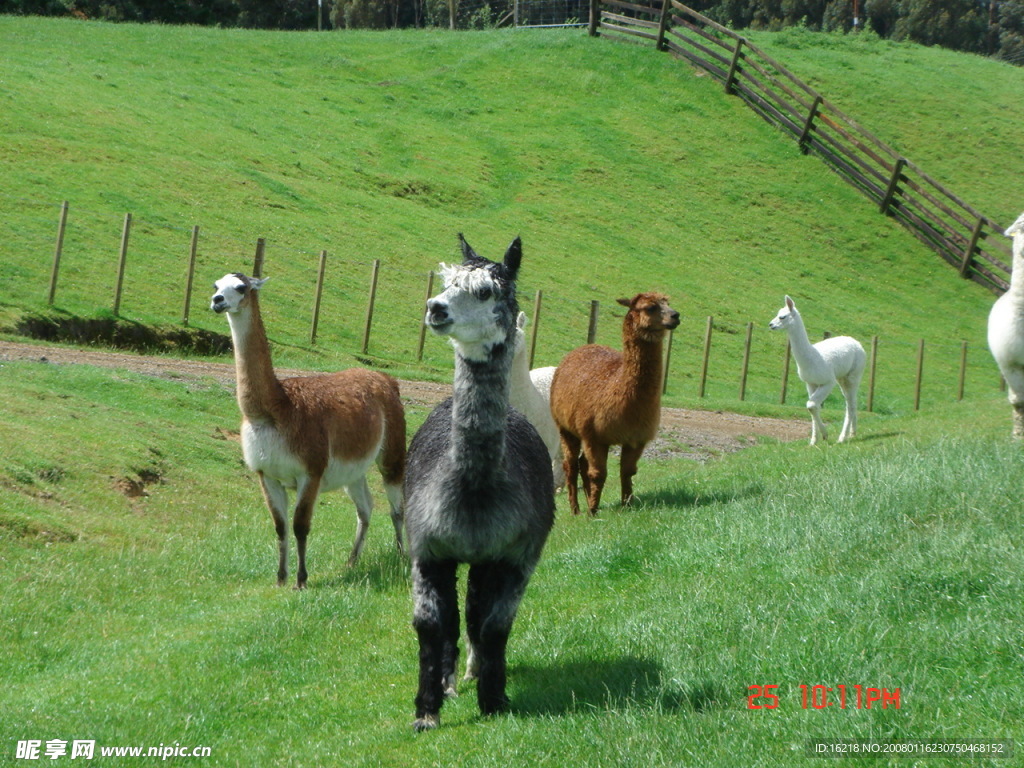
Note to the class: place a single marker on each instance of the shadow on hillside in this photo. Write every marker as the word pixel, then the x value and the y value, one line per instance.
pixel 628 682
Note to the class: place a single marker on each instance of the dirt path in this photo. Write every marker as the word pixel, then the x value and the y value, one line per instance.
pixel 698 435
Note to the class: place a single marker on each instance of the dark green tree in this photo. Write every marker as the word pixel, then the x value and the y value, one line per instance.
pixel 959 24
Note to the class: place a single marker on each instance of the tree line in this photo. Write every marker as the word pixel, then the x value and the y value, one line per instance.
pixel 987 27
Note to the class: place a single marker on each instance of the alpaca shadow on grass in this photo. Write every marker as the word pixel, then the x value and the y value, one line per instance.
pixel 683 494
pixel 384 571
pixel 625 683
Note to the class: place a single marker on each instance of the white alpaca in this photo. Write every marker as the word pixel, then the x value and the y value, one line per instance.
pixel 541 378
pixel 534 404
pixel 839 359
pixel 1006 329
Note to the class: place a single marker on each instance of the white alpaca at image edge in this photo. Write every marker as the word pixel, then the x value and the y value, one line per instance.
pixel 1006 329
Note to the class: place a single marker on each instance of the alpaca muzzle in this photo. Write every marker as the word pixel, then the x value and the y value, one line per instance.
pixel 437 315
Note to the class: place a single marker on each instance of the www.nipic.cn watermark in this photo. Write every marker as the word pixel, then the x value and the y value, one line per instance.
pixel 81 749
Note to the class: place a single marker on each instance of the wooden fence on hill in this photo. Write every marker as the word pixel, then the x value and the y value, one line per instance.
pixel 965 238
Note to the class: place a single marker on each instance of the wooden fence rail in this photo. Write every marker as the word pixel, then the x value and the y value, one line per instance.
pixel 962 236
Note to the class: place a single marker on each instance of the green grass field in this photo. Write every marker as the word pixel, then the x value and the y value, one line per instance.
pixel 892 562
pixel 137 597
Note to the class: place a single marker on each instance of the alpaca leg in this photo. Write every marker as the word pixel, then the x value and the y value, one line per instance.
pixel 558 474
pixel 571 466
pixel 597 471
pixel 391 463
pixel 277 501
pixel 584 474
pixel 815 397
pixel 394 493
pixel 1018 421
pixel 473 619
pixel 307 493
pixel 359 492
pixel 1015 389
pixel 494 593
pixel 435 611
pixel 629 460
pixel 849 389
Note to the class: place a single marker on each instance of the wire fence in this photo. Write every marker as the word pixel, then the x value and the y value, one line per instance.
pixel 84 263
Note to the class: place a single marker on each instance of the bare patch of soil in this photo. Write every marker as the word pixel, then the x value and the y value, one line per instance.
pixel 691 434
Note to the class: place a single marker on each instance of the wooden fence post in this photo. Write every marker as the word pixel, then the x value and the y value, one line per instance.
pixel 668 362
pixel 595 18
pixel 731 76
pixel 746 362
pixel 536 325
pixel 968 259
pixel 319 294
pixel 666 15
pixel 257 262
pixel 920 371
pixel 369 307
pixel 785 372
pixel 122 259
pixel 707 355
pixel 193 246
pixel 57 251
pixel 808 124
pixel 592 329
pixel 871 374
pixel 423 316
pixel 963 371
pixel 894 180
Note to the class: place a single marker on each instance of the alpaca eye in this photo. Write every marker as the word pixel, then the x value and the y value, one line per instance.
pixel 484 294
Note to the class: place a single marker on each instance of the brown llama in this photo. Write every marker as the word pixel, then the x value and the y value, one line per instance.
pixel 311 434
pixel 601 397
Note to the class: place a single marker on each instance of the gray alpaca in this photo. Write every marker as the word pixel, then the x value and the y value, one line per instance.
pixel 478 490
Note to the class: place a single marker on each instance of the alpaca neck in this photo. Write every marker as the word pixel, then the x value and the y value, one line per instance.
pixel 520 382
pixel 799 343
pixel 479 407
pixel 1016 289
pixel 641 370
pixel 259 391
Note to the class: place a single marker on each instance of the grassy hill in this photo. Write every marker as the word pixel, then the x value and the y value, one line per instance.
pixel 922 101
pixel 137 605
pixel 621 169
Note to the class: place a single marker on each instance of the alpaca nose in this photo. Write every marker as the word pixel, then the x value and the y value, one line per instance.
pixel 217 303
pixel 437 312
pixel 673 319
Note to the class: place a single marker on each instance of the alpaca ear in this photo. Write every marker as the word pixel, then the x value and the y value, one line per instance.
pixel 468 254
pixel 789 303
pixel 521 321
pixel 255 283
pixel 625 302
pixel 513 257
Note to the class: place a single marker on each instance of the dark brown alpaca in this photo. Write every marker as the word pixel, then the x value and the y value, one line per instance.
pixel 601 397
